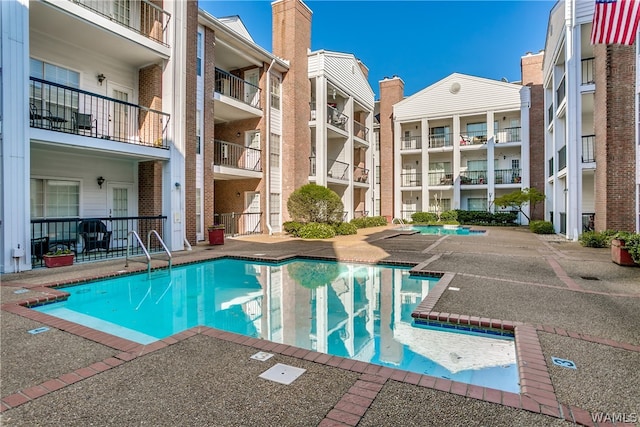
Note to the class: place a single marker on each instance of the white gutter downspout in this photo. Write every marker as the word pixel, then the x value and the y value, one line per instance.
pixel 267 155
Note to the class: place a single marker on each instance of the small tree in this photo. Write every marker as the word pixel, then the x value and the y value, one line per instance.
pixel 315 203
pixel 520 198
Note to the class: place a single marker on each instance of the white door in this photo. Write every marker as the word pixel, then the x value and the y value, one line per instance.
pixel 408 207
pixel 252 156
pixel 409 175
pixel 120 205
pixel 252 79
pixel 120 115
pixel 252 212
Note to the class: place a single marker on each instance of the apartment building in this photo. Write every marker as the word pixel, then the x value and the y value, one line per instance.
pixel 591 142
pixel 457 144
pixel 93 127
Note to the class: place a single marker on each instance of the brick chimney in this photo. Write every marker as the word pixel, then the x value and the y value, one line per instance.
pixel 391 92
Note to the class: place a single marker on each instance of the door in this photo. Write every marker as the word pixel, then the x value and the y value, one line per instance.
pixel 252 156
pixel 120 206
pixel 409 175
pixel 252 79
pixel 120 116
pixel 251 212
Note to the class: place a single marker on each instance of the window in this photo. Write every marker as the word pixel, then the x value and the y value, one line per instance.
pixel 274 209
pixel 439 136
pixel 198 210
pixel 275 92
pixel 515 164
pixel 477 204
pixel 54 198
pixel 274 151
pixel 377 140
pixel 58 101
pixel 377 174
pixel 198 131
pixel 477 129
pixel 477 165
pixel 199 55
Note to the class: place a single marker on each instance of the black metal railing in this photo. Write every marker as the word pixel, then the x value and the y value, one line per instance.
pixel 562 158
pixel 588 148
pixel 336 118
pixel 51 234
pixel 508 176
pixel 438 140
pixel 588 71
pixel 473 177
pixel 551 171
pixel 511 134
pixel 360 130
pixel 65 109
pixel 239 224
pixel 411 179
pixel 236 88
pixel 360 174
pixel 151 21
pixel 560 91
pixel 236 156
pixel 411 143
pixel 440 178
pixel 473 137
pixel 338 170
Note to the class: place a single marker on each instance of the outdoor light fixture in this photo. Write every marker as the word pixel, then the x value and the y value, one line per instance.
pixel 238 134
pixel 237 194
pixel 101 78
pixel 100 181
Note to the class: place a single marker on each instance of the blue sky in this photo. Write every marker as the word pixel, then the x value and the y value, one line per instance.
pixel 419 41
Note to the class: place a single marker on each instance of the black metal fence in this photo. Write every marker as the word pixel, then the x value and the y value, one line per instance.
pixel 93 239
pixel 239 224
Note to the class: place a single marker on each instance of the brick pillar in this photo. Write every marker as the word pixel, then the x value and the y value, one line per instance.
pixel 291 40
pixel 614 117
pixel 190 124
pixel 207 144
pixel 531 71
pixel 391 92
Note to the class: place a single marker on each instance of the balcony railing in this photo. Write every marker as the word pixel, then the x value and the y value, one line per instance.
pixel 236 88
pixel 562 158
pixel 361 174
pixel 508 176
pixel 239 224
pixel 473 177
pixel 473 137
pixel 49 235
pixel 511 134
pixel 338 170
pixel 411 179
pixel 236 156
pixel 360 130
pixel 588 148
pixel 551 171
pixel 150 20
pixel 560 92
pixel 336 118
pixel 411 143
pixel 65 109
pixel 440 140
pixel 588 71
pixel 440 178
pixel 406 214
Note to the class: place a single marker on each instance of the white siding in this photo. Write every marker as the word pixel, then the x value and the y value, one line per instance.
pixel 584 10
pixel 344 72
pixel 475 95
pixel 555 34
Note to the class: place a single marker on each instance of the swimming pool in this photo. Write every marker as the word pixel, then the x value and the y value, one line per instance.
pixel 358 311
pixel 442 230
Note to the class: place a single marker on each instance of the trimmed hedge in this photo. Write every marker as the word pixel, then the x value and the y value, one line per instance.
pixel 486 218
pixel 594 239
pixel 316 230
pixel 369 221
pixel 345 229
pixel 541 227
pixel 292 227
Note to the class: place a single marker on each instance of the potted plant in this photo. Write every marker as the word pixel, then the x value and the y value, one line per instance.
pixel 625 248
pixel 59 258
pixel 216 234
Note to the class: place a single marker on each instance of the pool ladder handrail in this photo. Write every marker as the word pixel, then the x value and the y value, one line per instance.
pixel 161 242
pixel 400 221
pixel 144 248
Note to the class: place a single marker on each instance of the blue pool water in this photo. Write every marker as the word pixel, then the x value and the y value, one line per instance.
pixel 358 311
pixel 440 230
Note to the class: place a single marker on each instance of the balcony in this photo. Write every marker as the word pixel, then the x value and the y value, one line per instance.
pixel 338 170
pixel 360 130
pixel 411 143
pixel 473 177
pixel 312 166
pixel 562 158
pixel 239 224
pixel 411 179
pixel 550 115
pixel 478 137
pixel 588 71
pixel 507 135
pixel 235 156
pixel 440 178
pixel 68 110
pixel 361 174
pixel 551 171
pixel 238 98
pixel 336 118
pixel 508 176
pixel 560 92
pixel 588 148
pixel 439 140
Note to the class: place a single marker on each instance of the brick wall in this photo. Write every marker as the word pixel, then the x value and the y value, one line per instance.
pixel 189 186
pixel 207 136
pixel 614 116
pixel 291 40
pixel 531 70
pixel 391 92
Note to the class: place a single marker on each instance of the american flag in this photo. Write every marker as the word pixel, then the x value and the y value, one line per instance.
pixel 615 21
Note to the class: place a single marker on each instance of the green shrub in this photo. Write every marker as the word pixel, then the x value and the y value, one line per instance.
pixel 316 230
pixel 505 217
pixel 594 239
pixel 449 216
pixel 541 227
pixel 369 221
pixel 315 203
pixel 345 228
pixel 424 217
pixel 631 244
pixel 292 227
pixel 485 218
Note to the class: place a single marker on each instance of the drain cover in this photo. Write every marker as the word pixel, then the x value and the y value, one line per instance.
pixel 262 356
pixel 589 278
pixel 38 330
pixel 21 291
pixel 564 363
pixel 283 374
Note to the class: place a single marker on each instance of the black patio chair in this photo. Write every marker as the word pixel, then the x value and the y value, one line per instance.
pixel 95 235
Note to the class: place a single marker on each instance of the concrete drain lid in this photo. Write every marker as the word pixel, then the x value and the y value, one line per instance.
pixel 283 374
pixel 21 291
pixel 564 363
pixel 38 330
pixel 262 356
pixel 589 278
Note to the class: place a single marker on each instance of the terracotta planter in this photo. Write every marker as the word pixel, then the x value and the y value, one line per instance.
pixel 619 254
pixel 216 235
pixel 58 260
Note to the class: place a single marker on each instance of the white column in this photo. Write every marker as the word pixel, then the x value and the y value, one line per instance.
pixel 397 169
pixel 525 105
pixel 456 162
pixel 424 161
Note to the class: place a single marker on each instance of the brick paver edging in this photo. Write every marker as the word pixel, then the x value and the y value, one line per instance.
pixel 590 338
